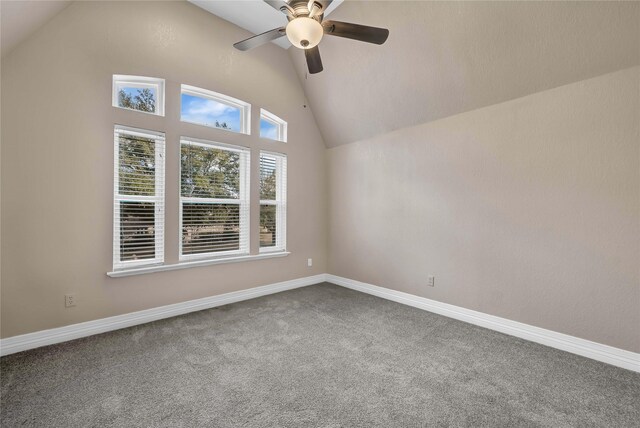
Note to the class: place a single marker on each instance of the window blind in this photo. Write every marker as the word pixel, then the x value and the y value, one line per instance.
pixel 214 199
pixel 138 209
pixel 273 196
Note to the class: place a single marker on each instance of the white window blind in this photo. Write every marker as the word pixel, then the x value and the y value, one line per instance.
pixel 214 199
pixel 138 208
pixel 273 202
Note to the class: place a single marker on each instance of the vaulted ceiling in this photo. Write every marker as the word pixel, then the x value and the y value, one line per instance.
pixel 20 19
pixel 441 58
pixel 253 15
pixel 445 58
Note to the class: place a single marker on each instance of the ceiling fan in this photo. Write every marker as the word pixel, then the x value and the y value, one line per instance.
pixel 306 28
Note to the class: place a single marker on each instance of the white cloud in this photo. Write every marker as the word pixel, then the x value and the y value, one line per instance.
pixel 271 133
pixel 207 108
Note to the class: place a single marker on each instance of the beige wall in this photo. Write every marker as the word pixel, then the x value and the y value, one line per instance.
pixel 57 158
pixel 447 57
pixel 528 210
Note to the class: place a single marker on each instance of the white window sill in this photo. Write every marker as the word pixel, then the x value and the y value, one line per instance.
pixel 197 263
pixel 267 250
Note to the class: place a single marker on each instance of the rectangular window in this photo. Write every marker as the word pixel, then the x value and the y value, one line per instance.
pixel 272 127
pixel 208 108
pixel 138 208
pixel 214 199
pixel 273 202
pixel 145 94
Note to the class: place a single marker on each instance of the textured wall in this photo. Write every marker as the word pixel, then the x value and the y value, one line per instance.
pixel 528 210
pixel 57 158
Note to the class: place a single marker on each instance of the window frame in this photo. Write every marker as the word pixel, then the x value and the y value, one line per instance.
pixel 244 201
pixel 280 124
pixel 121 81
pixel 244 107
pixel 280 203
pixel 158 199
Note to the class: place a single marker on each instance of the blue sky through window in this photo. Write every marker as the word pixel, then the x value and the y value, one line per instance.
pixel 207 112
pixel 268 129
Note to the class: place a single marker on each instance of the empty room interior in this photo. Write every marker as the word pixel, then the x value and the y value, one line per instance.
pixel 294 213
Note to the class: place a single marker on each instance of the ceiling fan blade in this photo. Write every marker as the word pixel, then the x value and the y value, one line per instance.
pixel 362 33
pixel 260 39
pixel 314 62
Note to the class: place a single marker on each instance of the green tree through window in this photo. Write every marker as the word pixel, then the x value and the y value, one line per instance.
pixel 209 173
pixel 142 101
pixel 137 166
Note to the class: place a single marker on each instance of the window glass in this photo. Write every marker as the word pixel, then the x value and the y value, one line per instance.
pixel 268 129
pixel 143 99
pixel 208 108
pixel 145 94
pixel 137 165
pixel 272 127
pixel 214 199
pixel 208 172
pixel 268 166
pixel 208 112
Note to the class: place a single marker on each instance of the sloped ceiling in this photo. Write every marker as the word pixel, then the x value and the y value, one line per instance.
pixel 20 19
pixel 255 16
pixel 441 59
pixel 445 58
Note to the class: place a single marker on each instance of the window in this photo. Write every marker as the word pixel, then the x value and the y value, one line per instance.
pixel 272 127
pixel 138 208
pixel 145 94
pixel 273 201
pixel 214 199
pixel 208 108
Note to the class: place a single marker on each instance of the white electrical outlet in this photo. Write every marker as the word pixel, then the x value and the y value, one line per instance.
pixel 69 300
pixel 431 281
pixel 309 262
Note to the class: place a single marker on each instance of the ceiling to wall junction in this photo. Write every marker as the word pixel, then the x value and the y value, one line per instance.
pixel 445 58
pixel 20 19
pixel 441 58
pixel 252 15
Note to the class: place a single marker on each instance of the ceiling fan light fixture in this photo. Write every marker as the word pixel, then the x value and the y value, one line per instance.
pixel 304 33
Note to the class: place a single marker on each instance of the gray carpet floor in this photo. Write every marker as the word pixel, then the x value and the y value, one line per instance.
pixel 319 356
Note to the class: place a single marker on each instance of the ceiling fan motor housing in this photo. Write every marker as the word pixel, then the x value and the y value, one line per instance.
pixel 302 7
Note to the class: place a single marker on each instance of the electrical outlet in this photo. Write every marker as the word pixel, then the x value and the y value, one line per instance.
pixel 69 300
pixel 431 281
pixel 309 262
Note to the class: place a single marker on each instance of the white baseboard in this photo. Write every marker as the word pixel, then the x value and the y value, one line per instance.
pixel 604 353
pixel 596 351
pixel 24 342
